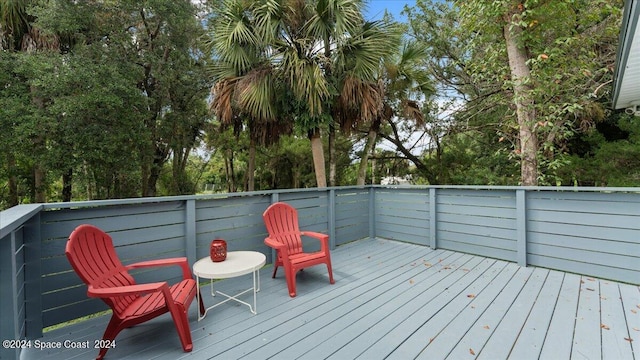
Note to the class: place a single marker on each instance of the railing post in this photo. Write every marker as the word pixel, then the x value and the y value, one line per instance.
pixel 331 218
pixel 9 327
pixel 372 212
pixel 433 219
pixel 190 231
pixel 521 227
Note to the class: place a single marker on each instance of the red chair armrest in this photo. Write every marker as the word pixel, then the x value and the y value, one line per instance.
pixel 160 262
pixel 324 239
pixel 277 245
pixel 317 235
pixel 125 290
pixel 180 261
pixel 273 243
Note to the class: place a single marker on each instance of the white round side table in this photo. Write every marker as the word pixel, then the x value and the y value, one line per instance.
pixel 236 264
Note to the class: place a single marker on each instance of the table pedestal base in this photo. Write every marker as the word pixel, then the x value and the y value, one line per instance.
pixel 252 308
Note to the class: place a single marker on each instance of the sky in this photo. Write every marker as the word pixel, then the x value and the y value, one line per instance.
pixel 376 8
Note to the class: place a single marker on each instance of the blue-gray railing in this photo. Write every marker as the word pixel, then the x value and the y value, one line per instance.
pixel 591 231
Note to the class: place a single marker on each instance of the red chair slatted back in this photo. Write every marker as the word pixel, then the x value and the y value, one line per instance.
pixel 281 220
pixel 93 256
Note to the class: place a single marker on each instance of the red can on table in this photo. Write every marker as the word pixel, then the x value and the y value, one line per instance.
pixel 218 250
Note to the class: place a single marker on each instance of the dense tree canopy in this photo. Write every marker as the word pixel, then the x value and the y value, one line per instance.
pixel 109 99
pixel 565 54
pixel 100 98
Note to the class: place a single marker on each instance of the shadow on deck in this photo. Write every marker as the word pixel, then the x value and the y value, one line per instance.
pixel 397 301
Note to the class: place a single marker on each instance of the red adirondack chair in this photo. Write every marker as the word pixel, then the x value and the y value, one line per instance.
pixel 281 220
pixel 92 255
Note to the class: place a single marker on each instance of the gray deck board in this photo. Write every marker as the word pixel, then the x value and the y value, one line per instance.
pixel 614 345
pixel 477 302
pixel 586 339
pixel 630 296
pixel 394 300
pixel 557 343
pixel 530 339
pixel 508 330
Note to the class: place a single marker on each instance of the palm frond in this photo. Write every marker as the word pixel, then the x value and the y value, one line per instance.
pixel 232 36
pixel 359 101
pixel 364 51
pixel 13 19
pixel 307 80
pixel 411 110
pixel 334 18
pixel 222 94
pixel 256 95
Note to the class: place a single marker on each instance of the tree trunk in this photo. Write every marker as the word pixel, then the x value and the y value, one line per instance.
pixel 144 175
pixel 160 156
pixel 180 184
pixel 152 180
pixel 176 178
pixel 318 158
pixel 251 166
pixel 39 184
pixel 90 181
pixel 295 176
pixel 523 98
pixel 231 176
pixel 368 147
pixel 67 181
pixel 332 155
pixel 395 139
pixel 154 174
pixel 39 146
pixel 373 167
pixel 13 179
pixel 332 133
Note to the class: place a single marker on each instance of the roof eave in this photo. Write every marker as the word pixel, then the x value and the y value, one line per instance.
pixel 626 84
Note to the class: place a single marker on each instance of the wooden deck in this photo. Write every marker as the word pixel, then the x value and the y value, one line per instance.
pixel 395 300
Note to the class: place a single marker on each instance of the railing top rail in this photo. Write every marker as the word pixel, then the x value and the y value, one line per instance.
pixel 143 200
pixel 515 187
pixel 14 217
pixel 25 211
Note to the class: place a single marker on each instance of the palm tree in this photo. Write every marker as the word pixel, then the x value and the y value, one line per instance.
pixel 402 83
pixel 291 59
pixel 241 68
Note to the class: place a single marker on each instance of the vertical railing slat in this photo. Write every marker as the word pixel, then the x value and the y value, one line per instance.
pixel 331 218
pixel 190 230
pixel 372 213
pixel 433 219
pixel 521 227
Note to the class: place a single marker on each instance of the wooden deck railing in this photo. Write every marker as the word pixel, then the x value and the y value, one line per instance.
pixel 592 231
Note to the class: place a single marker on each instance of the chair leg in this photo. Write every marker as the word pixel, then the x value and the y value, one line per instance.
pixel 110 333
pixel 331 281
pixel 202 310
pixel 275 268
pixel 180 319
pixel 291 282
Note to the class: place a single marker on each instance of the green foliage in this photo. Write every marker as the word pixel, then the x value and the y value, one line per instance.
pixel 570 47
pixel 608 155
pixel 122 93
